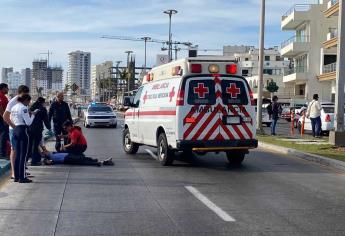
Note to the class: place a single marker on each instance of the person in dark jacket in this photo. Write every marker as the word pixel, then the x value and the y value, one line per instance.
pixel 59 112
pixel 36 129
pixel 274 110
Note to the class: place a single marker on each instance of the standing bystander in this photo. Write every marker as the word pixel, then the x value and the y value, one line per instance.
pixel 314 113
pixel 22 90
pixel 274 110
pixel 4 136
pixel 59 111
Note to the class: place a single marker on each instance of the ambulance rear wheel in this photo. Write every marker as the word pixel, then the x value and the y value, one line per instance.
pixel 235 158
pixel 165 154
pixel 128 146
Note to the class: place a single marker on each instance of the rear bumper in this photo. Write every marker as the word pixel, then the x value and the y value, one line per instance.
pixel 214 145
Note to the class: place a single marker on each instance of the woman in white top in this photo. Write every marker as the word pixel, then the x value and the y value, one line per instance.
pixel 22 119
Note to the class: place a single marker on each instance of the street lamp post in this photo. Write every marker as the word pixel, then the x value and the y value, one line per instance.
pixel 261 66
pixel 128 53
pixel 145 40
pixel 337 137
pixel 170 13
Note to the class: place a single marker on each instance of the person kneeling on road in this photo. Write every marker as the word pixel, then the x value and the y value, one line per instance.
pixel 77 141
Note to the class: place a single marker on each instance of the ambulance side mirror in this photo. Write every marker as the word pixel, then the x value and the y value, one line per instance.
pixel 128 101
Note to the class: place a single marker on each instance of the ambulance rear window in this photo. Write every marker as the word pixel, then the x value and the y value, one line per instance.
pixel 201 92
pixel 234 92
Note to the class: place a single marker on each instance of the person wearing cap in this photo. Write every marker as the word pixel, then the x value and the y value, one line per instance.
pixel 314 114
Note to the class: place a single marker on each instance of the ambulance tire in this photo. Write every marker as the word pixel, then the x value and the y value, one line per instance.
pixel 165 154
pixel 235 158
pixel 128 146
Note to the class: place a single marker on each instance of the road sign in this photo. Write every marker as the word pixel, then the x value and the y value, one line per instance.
pixel 74 87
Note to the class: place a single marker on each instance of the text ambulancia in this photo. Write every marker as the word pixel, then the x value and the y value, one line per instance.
pixel 192 105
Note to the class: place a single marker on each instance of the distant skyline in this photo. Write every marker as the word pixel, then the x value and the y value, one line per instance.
pixel 30 27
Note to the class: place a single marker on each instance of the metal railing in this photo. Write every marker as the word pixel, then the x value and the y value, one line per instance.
pixel 333 32
pixel 297 8
pixel 295 39
pixel 299 69
pixel 330 68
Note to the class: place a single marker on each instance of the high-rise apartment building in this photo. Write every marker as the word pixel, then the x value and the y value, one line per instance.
pixel 39 84
pixel 4 74
pixel 98 73
pixel 79 71
pixel 26 74
pixel 55 75
pixel 310 59
pixel 14 80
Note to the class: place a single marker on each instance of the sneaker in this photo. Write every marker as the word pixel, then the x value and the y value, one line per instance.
pixel 26 180
pixel 108 162
pixel 47 162
pixel 99 164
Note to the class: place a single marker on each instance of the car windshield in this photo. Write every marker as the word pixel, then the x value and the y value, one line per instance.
pixel 100 109
pixel 328 109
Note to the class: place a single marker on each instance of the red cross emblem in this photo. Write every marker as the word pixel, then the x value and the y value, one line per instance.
pixel 233 90
pixel 172 94
pixel 145 97
pixel 201 90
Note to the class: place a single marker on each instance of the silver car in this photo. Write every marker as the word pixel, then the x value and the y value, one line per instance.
pixel 100 115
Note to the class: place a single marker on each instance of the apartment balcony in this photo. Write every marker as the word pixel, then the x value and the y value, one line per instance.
pixel 295 16
pixel 328 72
pixel 296 74
pixel 332 8
pixel 294 46
pixel 332 38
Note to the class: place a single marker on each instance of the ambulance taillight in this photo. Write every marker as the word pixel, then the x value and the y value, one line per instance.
pixel 231 69
pixel 180 98
pixel 251 98
pixel 196 68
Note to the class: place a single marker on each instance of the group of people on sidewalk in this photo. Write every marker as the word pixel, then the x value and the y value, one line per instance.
pixel 21 127
pixel 313 112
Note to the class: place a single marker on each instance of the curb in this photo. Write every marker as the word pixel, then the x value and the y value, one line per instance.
pixel 303 155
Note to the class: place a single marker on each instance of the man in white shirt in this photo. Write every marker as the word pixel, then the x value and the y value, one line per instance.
pixel 22 89
pixel 314 114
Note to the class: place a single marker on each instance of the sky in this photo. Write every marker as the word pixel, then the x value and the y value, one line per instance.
pixel 30 27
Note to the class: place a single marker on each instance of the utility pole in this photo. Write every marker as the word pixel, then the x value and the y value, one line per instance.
pixel 261 66
pixel 337 137
pixel 128 53
pixel 145 40
pixel 170 13
pixel 117 81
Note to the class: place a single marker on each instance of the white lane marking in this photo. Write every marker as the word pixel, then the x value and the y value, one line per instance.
pixel 151 154
pixel 213 207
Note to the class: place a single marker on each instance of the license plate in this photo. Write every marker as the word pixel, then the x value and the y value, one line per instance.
pixel 232 120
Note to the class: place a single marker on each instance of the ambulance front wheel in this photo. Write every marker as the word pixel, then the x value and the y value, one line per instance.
pixel 128 146
pixel 165 154
pixel 235 158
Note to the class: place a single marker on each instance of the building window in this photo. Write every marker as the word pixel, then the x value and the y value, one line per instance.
pixel 278 58
pixel 246 59
pixel 268 71
pixel 267 58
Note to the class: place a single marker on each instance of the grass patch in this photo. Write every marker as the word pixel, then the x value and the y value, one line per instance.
pixel 326 150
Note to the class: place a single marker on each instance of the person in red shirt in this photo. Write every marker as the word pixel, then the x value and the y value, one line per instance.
pixel 78 143
pixel 4 133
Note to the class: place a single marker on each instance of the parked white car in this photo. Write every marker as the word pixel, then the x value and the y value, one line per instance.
pixel 327 119
pixel 265 116
pixel 100 115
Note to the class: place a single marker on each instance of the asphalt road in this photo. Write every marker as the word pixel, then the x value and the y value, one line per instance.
pixel 269 195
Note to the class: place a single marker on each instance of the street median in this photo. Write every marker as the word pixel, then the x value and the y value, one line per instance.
pixel 318 151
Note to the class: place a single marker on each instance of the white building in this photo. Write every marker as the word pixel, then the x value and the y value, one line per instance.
pixel 14 80
pixel 26 73
pixel 309 58
pixel 79 71
pixel 248 66
pixel 100 71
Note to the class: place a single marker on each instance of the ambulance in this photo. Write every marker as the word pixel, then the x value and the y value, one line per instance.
pixel 193 105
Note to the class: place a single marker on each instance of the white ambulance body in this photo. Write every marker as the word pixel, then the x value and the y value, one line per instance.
pixel 192 105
